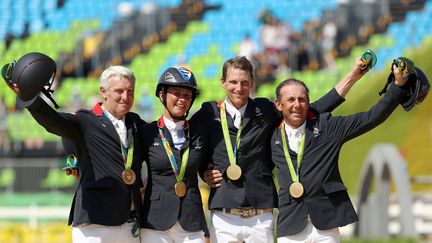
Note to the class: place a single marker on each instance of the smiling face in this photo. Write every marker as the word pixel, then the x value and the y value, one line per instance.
pixel 238 83
pixel 293 102
pixel 118 95
pixel 178 101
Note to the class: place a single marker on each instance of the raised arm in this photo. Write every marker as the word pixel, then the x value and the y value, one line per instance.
pixel 29 84
pixel 348 81
pixel 59 123
pixel 336 96
pixel 354 125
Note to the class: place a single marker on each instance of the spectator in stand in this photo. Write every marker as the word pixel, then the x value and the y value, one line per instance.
pixel 26 32
pixel 329 32
pixel 283 45
pixel 310 40
pixel 269 36
pixel 248 47
pixel 275 38
pixel 9 37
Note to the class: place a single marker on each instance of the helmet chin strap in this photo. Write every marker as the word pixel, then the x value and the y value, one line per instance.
pixel 48 91
pixel 175 117
pixel 178 118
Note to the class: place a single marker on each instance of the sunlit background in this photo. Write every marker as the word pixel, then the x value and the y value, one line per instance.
pixel 315 41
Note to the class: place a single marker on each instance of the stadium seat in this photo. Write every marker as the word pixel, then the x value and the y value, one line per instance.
pixel 7 177
pixel 57 179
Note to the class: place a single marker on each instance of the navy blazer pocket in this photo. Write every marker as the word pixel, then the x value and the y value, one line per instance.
pixel 99 184
pixel 331 187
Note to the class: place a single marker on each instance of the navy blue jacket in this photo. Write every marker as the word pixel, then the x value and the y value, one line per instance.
pixel 255 188
pixel 326 198
pixel 162 207
pixel 101 196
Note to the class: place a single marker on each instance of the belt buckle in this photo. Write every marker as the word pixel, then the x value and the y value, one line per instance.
pixel 234 211
pixel 247 212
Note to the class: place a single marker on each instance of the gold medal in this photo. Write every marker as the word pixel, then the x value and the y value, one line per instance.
pixel 234 172
pixel 180 188
pixel 128 176
pixel 296 190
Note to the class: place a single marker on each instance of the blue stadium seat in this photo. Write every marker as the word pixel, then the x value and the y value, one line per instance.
pixel 229 20
pixel 409 33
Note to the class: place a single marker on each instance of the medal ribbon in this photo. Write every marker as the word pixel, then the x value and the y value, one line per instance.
pixel 71 160
pixel 127 160
pixel 185 157
pixel 293 172
pixel 232 153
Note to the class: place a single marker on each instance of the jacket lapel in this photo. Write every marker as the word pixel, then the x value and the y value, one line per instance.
pixel 250 112
pixel 230 123
pixel 111 131
pixel 131 128
pixel 185 145
pixel 310 132
pixel 217 117
pixel 105 122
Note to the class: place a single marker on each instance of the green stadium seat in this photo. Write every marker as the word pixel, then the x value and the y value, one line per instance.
pixel 267 90
pixel 197 27
pixel 57 179
pixel 7 177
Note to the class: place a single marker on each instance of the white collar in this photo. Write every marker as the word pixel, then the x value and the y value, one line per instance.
pixel 173 126
pixel 113 119
pixel 232 110
pixel 301 129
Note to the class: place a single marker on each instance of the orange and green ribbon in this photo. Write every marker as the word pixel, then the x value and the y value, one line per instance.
pixel 179 174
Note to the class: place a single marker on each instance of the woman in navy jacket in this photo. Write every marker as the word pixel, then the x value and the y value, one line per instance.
pixel 175 149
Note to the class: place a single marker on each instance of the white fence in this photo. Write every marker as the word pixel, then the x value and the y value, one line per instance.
pixel 34 213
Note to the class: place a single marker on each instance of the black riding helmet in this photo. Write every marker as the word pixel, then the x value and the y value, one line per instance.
pixel 417 84
pixel 31 73
pixel 177 77
pixel 419 89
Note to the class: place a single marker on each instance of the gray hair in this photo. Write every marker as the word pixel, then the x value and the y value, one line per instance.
pixel 115 71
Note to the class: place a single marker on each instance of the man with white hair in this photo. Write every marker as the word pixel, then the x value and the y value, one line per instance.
pixel 107 201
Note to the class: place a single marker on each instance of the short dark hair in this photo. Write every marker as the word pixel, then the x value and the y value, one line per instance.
pixel 237 62
pixel 288 82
